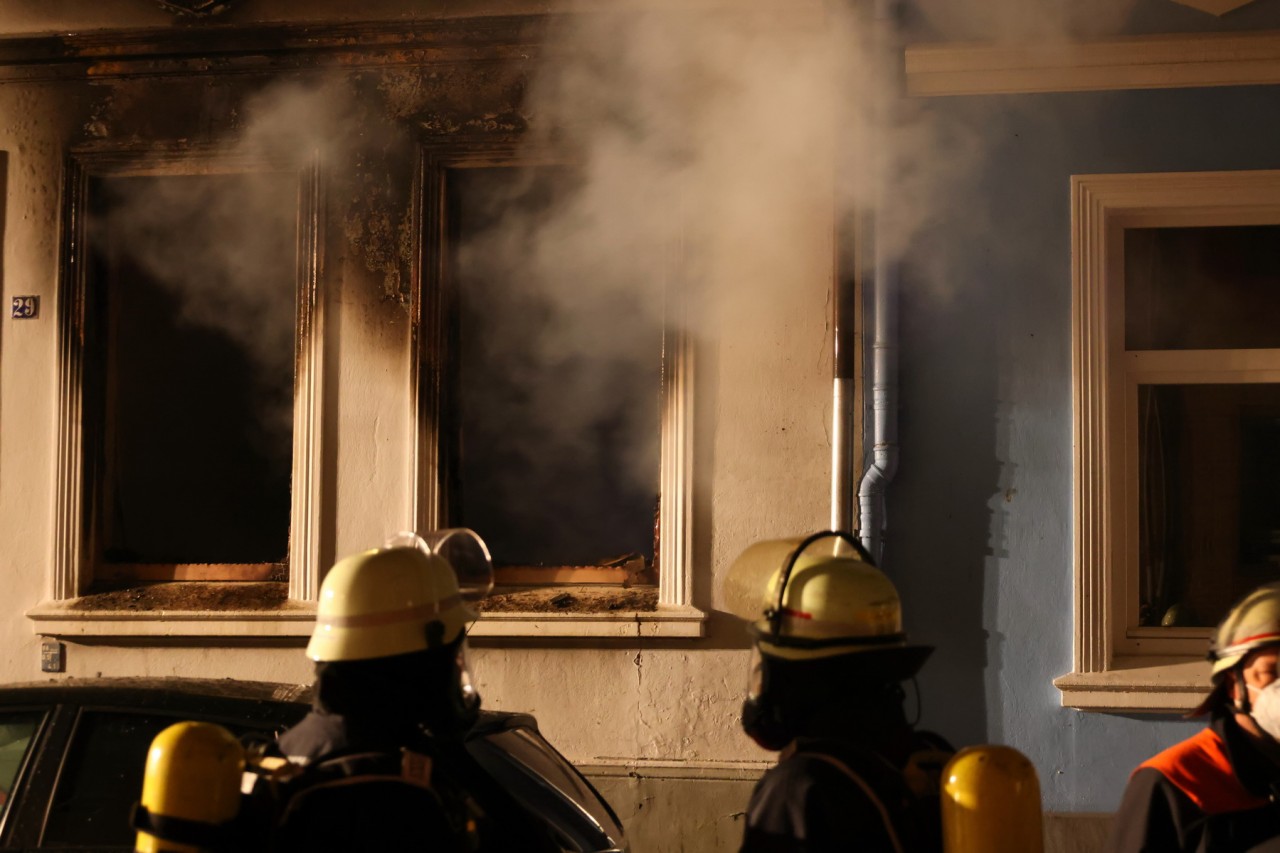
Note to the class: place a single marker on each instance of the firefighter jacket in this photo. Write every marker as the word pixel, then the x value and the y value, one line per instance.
pixel 356 794
pixel 1212 793
pixel 827 795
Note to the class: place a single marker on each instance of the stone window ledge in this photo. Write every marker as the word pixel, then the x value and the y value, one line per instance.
pixel 67 619
pixel 295 620
pixel 666 621
pixel 1138 685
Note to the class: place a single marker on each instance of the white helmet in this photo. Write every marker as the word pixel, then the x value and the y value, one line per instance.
pixel 385 602
pixel 1252 624
pixel 825 598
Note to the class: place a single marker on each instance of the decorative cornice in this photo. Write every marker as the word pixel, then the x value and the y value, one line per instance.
pixel 1137 62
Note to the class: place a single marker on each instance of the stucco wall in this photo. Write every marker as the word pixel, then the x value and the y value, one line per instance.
pixel 981 540
pixel 761 460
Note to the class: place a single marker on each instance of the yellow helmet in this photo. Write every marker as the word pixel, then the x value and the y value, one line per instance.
pixel 824 598
pixel 1251 624
pixel 389 601
pixel 191 790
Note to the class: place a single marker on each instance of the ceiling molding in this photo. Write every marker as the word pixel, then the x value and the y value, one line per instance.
pixel 1136 62
pixel 1215 7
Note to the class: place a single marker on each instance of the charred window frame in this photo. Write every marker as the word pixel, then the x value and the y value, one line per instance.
pixel 79 558
pixel 1125 659
pixel 436 307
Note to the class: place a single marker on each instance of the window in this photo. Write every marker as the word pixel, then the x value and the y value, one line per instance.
pixel 101 777
pixel 17 734
pixel 1177 416
pixel 553 411
pixel 189 372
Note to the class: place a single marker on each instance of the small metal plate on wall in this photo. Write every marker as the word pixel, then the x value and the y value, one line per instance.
pixel 26 307
pixel 52 656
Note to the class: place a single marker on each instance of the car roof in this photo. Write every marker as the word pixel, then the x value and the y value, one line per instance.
pixel 128 690
pixel 97 689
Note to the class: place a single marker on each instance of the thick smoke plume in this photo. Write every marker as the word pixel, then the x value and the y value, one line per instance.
pixel 222 240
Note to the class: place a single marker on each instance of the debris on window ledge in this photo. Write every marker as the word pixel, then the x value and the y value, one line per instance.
pixel 184 596
pixel 592 598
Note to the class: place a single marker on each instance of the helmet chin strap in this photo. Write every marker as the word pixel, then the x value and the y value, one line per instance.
pixel 1243 705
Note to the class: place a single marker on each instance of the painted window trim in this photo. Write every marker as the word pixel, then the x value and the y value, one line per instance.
pixel 675 576
pixel 1117 667
pixel 72 567
pixel 1136 62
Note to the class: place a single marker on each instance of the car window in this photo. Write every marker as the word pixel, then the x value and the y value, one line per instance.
pixel 525 752
pixel 17 733
pixel 101 778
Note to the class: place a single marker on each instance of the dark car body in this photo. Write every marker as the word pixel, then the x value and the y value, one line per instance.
pixel 72 755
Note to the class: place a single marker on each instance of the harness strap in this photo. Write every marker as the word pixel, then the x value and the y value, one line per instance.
pixel 866 789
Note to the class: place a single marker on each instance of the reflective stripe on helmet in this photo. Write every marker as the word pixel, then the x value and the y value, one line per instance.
pixel 1247 645
pixel 389 617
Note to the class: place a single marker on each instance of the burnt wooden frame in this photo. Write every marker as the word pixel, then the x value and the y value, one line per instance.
pixel 433 304
pixel 76 561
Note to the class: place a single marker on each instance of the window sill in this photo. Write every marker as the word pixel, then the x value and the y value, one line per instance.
pixel 663 622
pixel 296 619
pixel 1141 685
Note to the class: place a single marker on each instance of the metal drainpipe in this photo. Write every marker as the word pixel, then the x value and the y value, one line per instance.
pixel 884 390
pixel 884 368
pixel 845 399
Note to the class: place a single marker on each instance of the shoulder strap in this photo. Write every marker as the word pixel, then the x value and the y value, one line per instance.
pixel 867 790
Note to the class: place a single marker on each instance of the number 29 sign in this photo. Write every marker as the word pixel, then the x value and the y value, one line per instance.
pixel 26 307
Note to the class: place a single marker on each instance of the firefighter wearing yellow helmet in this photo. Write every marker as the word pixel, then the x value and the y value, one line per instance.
pixel 1218 789
pixel 380 761
pixel 829 658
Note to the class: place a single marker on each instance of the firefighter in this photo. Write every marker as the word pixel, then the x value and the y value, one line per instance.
pixel 380 762
pixel 829 660
pixel 1216 791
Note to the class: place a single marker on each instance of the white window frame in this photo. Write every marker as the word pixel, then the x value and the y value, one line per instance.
pixel 676 616
pixel 1118 666
pixel 73 567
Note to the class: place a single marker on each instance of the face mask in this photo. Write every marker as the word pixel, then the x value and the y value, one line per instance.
pixel 761 717
pixel 1266 708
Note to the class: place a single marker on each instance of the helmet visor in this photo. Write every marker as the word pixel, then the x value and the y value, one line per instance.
pixel 469 556
pixel 465 552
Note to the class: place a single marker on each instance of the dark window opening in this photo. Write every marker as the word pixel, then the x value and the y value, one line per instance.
pixel 190 287
pixel 555 387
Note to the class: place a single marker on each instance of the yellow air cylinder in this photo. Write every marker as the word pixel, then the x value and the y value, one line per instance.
pixel 191 789
pixel 991 802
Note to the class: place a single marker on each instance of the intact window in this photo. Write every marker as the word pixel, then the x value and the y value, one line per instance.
pixel 101 777
pixel 1177 423
pixel 17 734
pixel 1209 452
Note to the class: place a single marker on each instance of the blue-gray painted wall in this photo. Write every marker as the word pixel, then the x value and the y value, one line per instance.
pixel 980 514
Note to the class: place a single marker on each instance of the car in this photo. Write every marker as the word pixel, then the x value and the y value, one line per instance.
pixel 72 755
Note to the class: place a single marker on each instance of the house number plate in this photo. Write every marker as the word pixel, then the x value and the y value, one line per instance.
pixel 26 307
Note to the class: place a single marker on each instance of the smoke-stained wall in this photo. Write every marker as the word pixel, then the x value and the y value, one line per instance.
pixel 760 246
